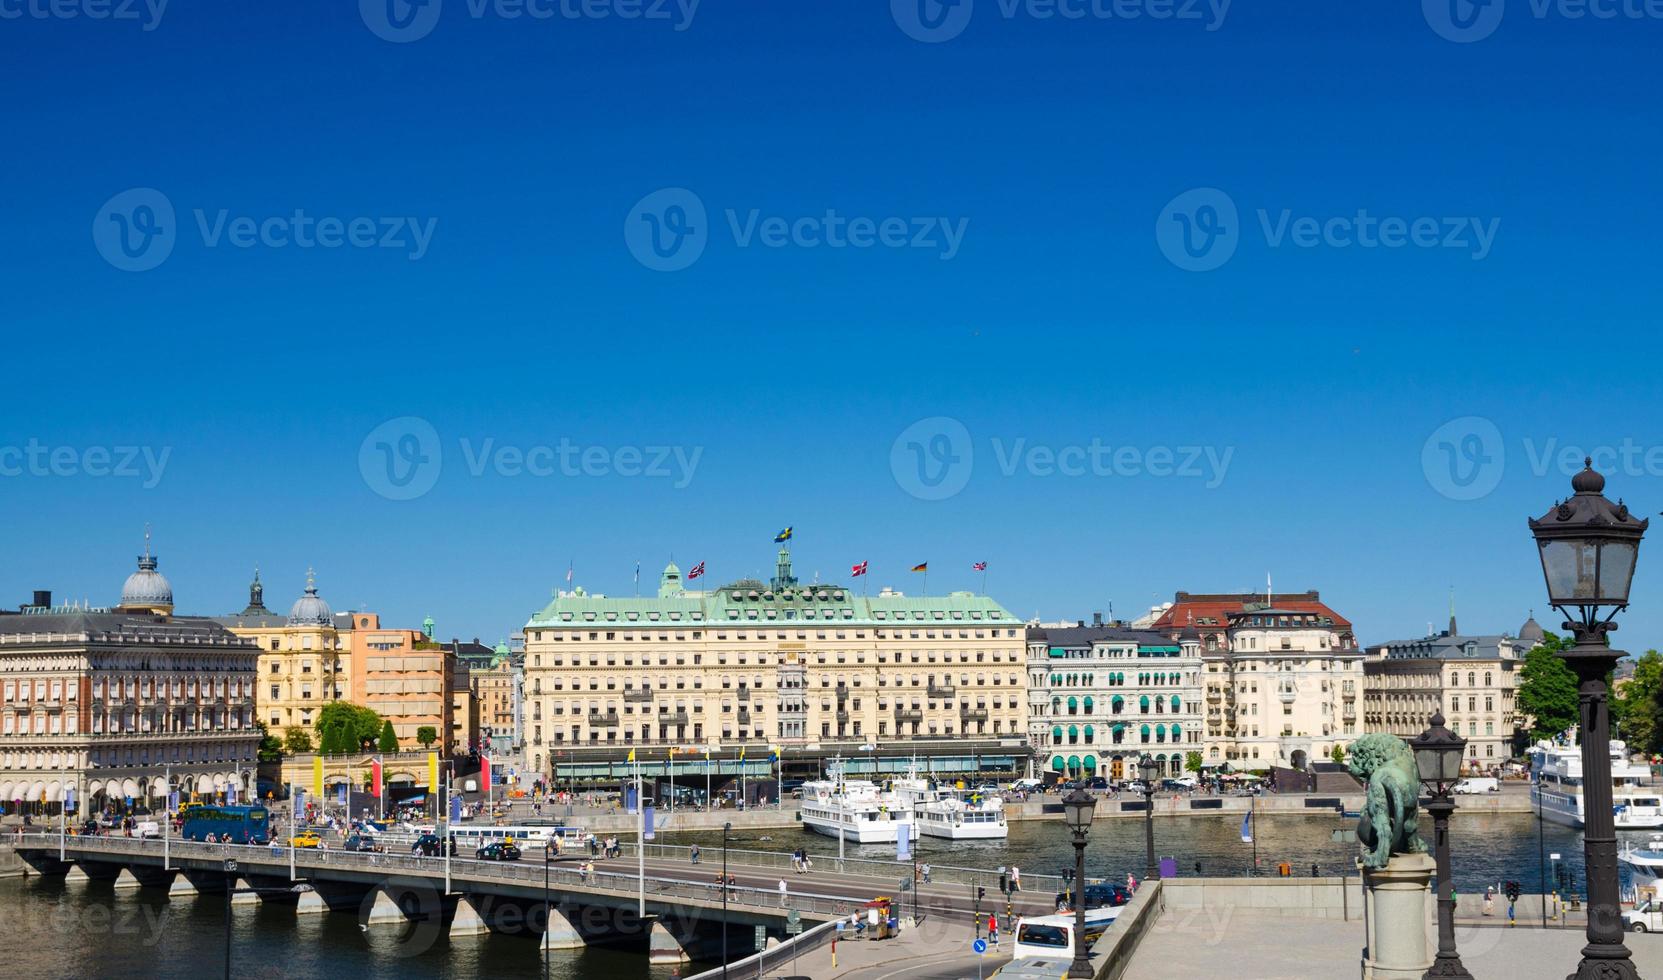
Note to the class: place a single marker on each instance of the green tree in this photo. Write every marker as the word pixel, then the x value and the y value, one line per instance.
pixel 270 750
pixel 389 738
pixel 1338 755
pixel 1637 706
pixel 427 735
pixel 297 740
pixel 1192 761
pixel 1547 689
pixel 357 726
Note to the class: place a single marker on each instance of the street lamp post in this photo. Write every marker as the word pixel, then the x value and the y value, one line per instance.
pixel 230 892
pixel 548 920
pixel 727 828
pixel 1146 767
pixel 1078 809
pixel 1438 757
pixel 1588 547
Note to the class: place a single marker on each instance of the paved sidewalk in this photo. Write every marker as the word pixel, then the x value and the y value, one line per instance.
pixel 1258 945
pixel 935 946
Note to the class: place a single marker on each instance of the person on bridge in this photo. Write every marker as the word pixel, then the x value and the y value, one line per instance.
pixel 693 852
pixel 926 870
pixel 992 929
pixel 782 893
pixel 1016 878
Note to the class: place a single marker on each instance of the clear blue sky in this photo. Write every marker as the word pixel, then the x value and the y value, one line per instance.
pixel 1054 145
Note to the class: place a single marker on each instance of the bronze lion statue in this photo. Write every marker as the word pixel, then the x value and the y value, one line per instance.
pixel 1391 816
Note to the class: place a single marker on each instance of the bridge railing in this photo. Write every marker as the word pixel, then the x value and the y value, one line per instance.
pixel 565 877
pixel 760 964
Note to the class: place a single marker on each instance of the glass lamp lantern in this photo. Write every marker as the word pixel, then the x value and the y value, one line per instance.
pixel 1438 755
pixel 1146 766
pixel 1588 547
pixel 1078 809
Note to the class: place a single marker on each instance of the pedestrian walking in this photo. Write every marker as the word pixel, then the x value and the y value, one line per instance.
pixel 992 929
pixel 1016 878
pixel 1489 901
pixel 926 874
pixel 782 893
pixel 694 852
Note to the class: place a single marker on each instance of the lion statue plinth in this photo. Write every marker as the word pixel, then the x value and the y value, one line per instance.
pixel 1391 816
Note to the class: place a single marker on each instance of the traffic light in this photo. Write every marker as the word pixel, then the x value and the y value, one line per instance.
pixel 981 892
pixel 1004 883
pixel 1511 889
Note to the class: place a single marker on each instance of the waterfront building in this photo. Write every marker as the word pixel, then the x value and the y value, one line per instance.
pixel 115 701
pixel 782 662
pixel 408 678
pixel 305 656
pixel 1473 677
pixel 494 686
pixel 1283 676
pixel 1101 696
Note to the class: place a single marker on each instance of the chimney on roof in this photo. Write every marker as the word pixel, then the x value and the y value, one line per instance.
pixel 1097 619
pixel 43 598
pixel 1081 623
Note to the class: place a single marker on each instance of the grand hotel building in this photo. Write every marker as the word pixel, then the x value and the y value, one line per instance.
pixel 780 663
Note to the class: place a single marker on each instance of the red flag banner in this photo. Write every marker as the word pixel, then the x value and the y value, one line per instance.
pixel 858 569
pixel 697 571
pixel 375 778
pixel 485 773
pixel 980 566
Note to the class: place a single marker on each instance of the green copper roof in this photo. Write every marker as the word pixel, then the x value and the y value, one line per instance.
pixel 755 604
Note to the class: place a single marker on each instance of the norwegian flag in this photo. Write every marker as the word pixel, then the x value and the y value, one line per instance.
pixel 696 572
pixel 860 569
pixel 981 566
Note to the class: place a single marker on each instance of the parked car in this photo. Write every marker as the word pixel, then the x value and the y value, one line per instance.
pixel 499 851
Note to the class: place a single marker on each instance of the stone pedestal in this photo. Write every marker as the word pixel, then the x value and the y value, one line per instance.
pixel 1398 897
pixel 244 894
pixel 310 903
pixel 384 911
pixel 181 887
pixel 664 948
pixel 126 880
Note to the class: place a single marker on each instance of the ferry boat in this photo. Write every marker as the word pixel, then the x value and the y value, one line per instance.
pixel 1556 789
pixel 854 810
pixel 1644 863
pixel 951 814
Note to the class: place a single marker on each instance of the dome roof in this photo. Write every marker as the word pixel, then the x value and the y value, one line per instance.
pixel 1531 631
pixel 310 609
pixel 147 588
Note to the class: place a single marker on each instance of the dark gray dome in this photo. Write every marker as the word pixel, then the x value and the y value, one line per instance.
pixel 310 609
pixel 1531 631
pixel 147 588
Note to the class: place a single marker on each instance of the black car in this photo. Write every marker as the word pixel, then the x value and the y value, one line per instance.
pixel 429 845
pixel 499 851
pixel 1098 783
pixel 1102 896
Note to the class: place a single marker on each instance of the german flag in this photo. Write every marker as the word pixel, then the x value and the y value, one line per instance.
pixel 921 567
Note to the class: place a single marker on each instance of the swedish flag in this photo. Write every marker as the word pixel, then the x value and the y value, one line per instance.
pixel 784 535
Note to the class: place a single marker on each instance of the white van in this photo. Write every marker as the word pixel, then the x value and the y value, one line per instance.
pixel 147 829
pixel 1478 784
pixel 1053 935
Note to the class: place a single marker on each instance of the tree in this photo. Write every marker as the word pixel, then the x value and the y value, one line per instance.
pixel 1192 761
pixel 1338 755
pixel 389 738
pixel 270 749
pixel 1547 689
pixel 296 740
pixel 1637 706
pixel 427 735
pixel 357 726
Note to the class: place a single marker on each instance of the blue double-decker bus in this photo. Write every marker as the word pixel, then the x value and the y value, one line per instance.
pixel 231 824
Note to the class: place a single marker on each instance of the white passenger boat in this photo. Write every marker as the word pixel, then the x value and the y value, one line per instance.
pixel 1557 787
pixel 855 810
pixel 1644 863
pixel 949 813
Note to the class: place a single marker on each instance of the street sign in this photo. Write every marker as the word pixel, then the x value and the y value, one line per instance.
pixel 979 947
pixel 793 922
pixel 761 938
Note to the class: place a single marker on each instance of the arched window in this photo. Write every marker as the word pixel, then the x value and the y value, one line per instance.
pixel 1073 705
pixel 1175 704
pixel 1088 704
pixel 1487 678
pixel 1073 734
pixel 1145 733
pixel 1091 734
pixel 1143 704
pixel 1118 704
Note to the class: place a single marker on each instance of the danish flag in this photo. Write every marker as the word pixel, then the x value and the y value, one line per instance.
pixel 859 569
pixel 696 572
pixel 981 566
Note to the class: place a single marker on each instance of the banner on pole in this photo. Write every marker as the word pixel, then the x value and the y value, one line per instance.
pixel 903 844
pixel 647 823
pixel 317 776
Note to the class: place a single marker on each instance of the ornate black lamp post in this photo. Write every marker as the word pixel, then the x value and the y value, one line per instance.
pixel 1146 767
pixel 1589 546
pixel 1078 809
pixel 727 829
pixel 1438 757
